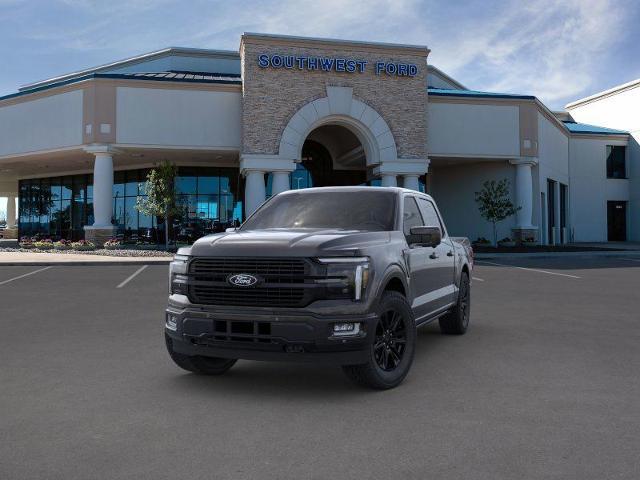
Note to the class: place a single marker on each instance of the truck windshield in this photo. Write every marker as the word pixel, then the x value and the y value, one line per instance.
pixel 354 210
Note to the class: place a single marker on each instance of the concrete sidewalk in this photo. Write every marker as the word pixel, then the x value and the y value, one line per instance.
pixel 32 258
pixel 634 254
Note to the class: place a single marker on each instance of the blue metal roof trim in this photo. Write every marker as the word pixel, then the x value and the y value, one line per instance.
pixel 229 79
pixel 444 92
pixel 585 128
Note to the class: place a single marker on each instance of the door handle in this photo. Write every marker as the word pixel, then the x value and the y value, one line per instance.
pixel 433 255
pixel 450 253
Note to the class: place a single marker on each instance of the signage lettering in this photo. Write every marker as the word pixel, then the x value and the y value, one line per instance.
pixel 330 64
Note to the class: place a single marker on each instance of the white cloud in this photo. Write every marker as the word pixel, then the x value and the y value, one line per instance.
pixel 546 48
pixel 543 47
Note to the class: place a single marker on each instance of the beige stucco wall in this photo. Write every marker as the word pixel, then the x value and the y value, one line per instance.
pixel 271 96
pixel 54 121
pixel 178 117
pixel 467 129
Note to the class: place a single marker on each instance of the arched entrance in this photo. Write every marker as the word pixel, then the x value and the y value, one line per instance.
pixel 332 156
pixel 337 139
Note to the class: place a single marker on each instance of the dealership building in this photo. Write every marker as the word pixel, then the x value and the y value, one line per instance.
pixel 289 112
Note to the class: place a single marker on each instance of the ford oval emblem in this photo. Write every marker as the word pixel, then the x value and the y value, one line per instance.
pixel 242 280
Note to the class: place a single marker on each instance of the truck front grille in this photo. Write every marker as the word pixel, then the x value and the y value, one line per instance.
pixel 282 282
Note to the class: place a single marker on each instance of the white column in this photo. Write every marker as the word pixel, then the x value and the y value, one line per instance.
pixel 254 193
pixel 280 182
pixel 524 193
pixel 103 189
pixel 389 180
pixel 411 182
pixel 11 212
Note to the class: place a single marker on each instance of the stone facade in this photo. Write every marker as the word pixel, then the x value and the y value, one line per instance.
pixel 271 96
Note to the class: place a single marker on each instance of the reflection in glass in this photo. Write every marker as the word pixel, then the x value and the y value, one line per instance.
pixel 131 214
pixel 301 178
pixel 210 200
pixel 118 184
pixel 186 184
pixel 208 185
pixel 67 188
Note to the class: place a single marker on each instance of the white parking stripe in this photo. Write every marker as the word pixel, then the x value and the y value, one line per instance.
pixel 132 276
pixel 631 259
pixel 25 275
pixel 529 269
pixel 477 279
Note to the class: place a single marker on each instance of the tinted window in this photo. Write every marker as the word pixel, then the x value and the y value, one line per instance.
pixel 363 210
pixel 411 216
pixel 616 162
pixel 429 213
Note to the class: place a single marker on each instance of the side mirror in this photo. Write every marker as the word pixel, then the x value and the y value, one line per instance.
pixel 231 229
pixel 425 236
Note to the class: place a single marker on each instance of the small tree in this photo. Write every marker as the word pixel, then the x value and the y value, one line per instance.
pixel 494 203
pixel 160 191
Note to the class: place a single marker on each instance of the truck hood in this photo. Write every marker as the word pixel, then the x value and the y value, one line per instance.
pixel 287 243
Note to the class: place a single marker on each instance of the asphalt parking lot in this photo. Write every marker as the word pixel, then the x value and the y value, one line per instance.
pixel 546 384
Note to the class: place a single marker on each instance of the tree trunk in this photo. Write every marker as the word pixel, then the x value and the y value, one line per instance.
pixel 495 235
pixel 166 230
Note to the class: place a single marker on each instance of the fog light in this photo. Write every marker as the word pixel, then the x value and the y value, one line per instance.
pixel 344 329
pixel 172 322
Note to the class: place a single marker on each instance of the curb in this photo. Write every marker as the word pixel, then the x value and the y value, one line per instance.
pixel 596 253
pixel 88 263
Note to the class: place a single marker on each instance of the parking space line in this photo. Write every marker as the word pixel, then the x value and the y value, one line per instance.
pixel 25 275
pixel 132 276
pixel 477 279
pixel 631 259
pixel 529 269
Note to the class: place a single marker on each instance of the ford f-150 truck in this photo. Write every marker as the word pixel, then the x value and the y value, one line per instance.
pixel 339 275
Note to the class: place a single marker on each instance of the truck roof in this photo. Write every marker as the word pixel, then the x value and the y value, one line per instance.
pixel 353 189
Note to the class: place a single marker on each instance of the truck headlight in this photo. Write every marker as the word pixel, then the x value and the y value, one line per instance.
pixel 346 277
pixel 178 274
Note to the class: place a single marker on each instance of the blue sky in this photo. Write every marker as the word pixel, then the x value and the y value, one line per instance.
pixel 557 50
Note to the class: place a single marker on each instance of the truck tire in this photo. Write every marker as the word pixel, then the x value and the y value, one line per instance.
pixel 199 365
pixel 456 321
pixel 392 345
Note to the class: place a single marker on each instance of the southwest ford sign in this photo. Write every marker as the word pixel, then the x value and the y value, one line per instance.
pixel 333 64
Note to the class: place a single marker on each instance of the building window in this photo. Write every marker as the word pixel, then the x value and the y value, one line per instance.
pixel 210 199
pixel 300 178
pixel 60 207
pixel 616 161
pixel 55 207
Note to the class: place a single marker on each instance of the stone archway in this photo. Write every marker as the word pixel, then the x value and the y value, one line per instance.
pixel 340 108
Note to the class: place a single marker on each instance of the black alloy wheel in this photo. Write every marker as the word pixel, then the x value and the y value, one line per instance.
pixel 456 321
pixel 392 345
pixel 465 302
pixel 390 341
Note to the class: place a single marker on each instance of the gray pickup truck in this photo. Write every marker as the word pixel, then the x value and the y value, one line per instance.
pixel 338 275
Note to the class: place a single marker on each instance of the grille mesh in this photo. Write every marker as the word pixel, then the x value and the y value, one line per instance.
pixel 282 285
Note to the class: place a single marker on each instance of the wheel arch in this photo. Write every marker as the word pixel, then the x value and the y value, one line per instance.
pixel 394 280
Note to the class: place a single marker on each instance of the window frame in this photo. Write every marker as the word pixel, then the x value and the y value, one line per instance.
pixel 402 220
pixel 608 150
pixel 443 230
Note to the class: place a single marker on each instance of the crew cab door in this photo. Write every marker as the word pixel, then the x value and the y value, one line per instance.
pixel 416 257
pixel 425 264
pixel 441 265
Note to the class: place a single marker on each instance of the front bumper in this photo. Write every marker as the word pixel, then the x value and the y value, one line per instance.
pixel 295 336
